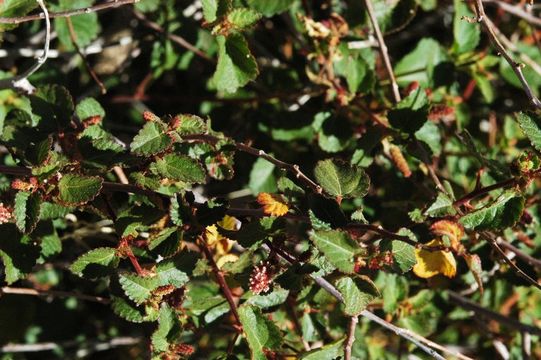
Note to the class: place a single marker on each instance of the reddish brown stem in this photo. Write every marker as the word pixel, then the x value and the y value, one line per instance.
pixel 220 279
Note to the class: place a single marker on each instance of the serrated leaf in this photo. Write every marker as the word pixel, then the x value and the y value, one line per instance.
pixel 504 212
pixel 276 297
pixel 403 253
pixel 89 108
pixel 167 324
pixel 341 179
pixel 358 292
pixel 236 64
pixel 101 139
pixel 127 311
pixel 530 123
pixel 442 206
pixel 27 211
pixel 261 333
pixel 333 350
pixel 242 18
pixel 180 168
pixel 77 189
pixel 190 125
pixel 168 273
pixel 101 256
pixel 151 139
pixel 14 8
pixel 138 288
pixel 339 249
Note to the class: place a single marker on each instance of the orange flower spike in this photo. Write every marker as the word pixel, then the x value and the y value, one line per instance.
pixel 272 204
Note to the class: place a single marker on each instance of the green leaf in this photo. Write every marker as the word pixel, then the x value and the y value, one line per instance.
pixel 190 125
pixel 530 123
pixel 337 247
pixel 27 211
pixel 333 350
pixel 53 107
pixel 429 133
pixel 236 65
pixel 419 64
pixel 395 290
pixel 85 26
pixel 180 168
pixel 89 108
pixel 210 7
pixel 127 311
pixel 358 292
pixel 270 8
pixel 333 131
pixel 341 179
pixel 101 139
pixel 442 206
pixel 138 288
pixel 504 212
pixel 276 297
pixel 151 139
pixel 403 253
pixel 262 177
pixel 411 113
pixel 168 325
pixel 242 18
pixel 77 189
pixel 102 257
pixel 18 253
pixel 168 273
pixel 261 333
pixel 466 34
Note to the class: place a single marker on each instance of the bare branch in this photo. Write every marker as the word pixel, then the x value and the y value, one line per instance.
pixel 52 293
pixel 481 311
pixel 174 38
pixel 350 337
pixel 516 10
pixel 67 13
pixel 383 49
pixel 86 347
pixel 489 28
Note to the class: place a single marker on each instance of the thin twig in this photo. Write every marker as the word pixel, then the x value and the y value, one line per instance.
pixel 20 82
pixel 494 244
pixel 350 337
pixel 416 339
pixel 489 27
pixel 292 168
pixel 383 49
pixel 173 37
pixel 520 254
pixel 67 13
pixel 73 37
pixel 85 347
pixel 221 280
pixel 52 293
pixel 516 11
pixel 481 311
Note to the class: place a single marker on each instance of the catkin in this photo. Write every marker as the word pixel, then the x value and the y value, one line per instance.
pixel 399 160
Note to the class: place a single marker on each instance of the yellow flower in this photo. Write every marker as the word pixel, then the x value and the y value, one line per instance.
pixel 273 205
pixel 432 263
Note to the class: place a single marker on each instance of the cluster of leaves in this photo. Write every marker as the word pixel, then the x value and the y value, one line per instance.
pixel 213 246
